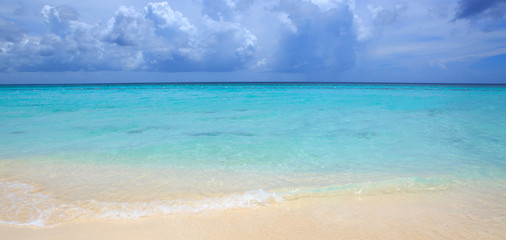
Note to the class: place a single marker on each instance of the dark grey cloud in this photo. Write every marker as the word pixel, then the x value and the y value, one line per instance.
pixel 474 8
pixel 486 15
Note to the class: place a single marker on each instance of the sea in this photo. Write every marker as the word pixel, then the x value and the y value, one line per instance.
pixel 108 152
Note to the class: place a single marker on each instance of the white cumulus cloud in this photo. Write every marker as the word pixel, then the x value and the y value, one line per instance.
pixel 218 35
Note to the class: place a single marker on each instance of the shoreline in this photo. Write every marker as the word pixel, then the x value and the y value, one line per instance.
pixel 390 216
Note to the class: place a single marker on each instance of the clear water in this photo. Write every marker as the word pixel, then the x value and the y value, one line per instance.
pixel 136 150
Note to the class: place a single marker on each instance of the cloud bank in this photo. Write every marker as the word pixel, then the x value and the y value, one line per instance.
pixel 292 36
pixel 292 40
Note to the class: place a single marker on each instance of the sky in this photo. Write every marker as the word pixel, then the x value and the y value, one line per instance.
pixel 430 41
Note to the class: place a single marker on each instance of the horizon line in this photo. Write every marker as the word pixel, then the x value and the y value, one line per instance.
pixel 247 82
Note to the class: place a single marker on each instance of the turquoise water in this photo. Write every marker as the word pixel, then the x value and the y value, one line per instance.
pixel 148 143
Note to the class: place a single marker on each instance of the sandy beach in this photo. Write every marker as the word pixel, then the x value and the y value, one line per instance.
pixel 391 216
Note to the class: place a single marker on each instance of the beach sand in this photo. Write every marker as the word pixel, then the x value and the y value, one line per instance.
pixel 389 216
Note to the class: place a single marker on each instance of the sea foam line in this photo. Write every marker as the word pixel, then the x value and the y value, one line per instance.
pixel 23 205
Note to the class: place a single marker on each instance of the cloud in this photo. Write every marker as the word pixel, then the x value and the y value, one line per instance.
pixel 219 10
pixel 386 16
pixel 487 15
pixel 10 32
pixel 442 63
pixel 292 36
pixel 20 12
pixel 324 39
pixel 164 17
pixel 439 10
pixel 126 28
pixel 59 19
pixel 480 8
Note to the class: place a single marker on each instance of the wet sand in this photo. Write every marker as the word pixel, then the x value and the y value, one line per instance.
pixel 437 215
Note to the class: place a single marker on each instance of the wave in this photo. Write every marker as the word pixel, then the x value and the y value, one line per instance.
pixel 26 205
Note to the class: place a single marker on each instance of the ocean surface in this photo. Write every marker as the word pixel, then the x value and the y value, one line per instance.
pixel 73 152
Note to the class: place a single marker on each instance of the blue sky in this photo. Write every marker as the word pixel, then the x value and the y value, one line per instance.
pixel 57 41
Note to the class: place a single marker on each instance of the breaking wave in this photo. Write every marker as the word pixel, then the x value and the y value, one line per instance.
pixel 26 205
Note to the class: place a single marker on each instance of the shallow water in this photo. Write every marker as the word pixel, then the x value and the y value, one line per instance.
pixel 127 151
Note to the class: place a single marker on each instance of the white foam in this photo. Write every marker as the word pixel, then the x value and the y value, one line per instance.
pixel 24 205
pixel 253 198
